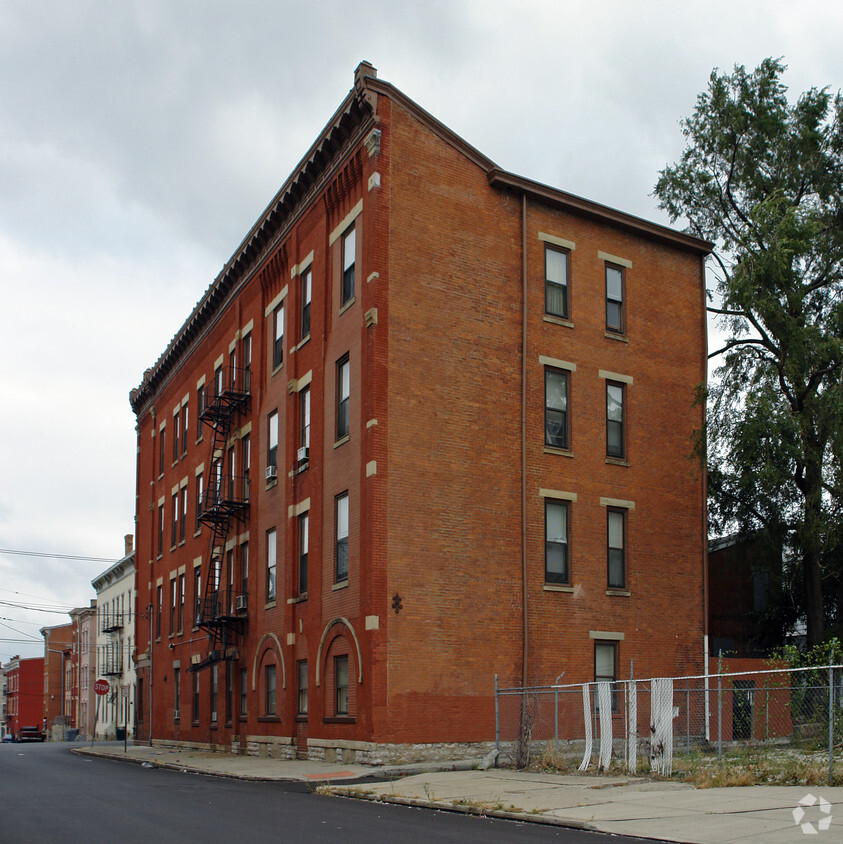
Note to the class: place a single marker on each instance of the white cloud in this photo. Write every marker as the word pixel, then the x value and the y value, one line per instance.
pixel 140 140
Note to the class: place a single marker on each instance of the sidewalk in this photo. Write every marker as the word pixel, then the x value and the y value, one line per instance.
pixel 620 805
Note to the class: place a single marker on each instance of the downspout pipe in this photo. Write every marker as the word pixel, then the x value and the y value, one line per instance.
pixel 525 629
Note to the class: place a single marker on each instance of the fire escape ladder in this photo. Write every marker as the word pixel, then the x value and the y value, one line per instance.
pixel 222 611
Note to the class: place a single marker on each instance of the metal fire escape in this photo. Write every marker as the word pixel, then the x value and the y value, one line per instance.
pixel 222 611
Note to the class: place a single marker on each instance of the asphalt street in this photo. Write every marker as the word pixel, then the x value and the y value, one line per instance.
pixel 49 795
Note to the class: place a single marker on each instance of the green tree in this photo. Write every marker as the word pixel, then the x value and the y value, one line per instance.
pixel 761 178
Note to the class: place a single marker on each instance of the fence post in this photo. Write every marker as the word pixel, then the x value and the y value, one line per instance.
pixel 720 710
pixel 688 715
pixel 556 716
pixel 831 716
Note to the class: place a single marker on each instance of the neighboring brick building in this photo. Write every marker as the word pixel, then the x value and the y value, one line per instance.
pixel 3 707
pixel 24 693
pixel 84 667
pixel 58 682
pixel 431 423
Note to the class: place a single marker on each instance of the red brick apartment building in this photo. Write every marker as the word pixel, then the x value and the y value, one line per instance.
pixel 58 683
pixel 431 423
pixel 24 693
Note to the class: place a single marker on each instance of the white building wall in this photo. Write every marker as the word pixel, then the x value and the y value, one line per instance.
pixel 115 641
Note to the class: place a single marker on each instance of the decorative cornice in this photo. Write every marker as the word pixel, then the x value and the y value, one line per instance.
pixel 346 129
pixel 586 207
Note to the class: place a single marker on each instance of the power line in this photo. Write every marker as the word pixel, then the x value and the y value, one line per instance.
pixel 36 608
pixel 56 556
pixel 21 632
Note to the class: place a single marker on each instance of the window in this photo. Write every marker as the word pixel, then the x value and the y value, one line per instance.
pixel 244 692
pixel 218 382
pixel 196 696
pixel 215 679
pixel 232 369
pixel 246 459
pixel 185 425
pixel 556 542
pixel 555 408
pixel 232 472
pixel 200 409
pixel 605 666
pixel 301 672
pixel 342 537
pixel 272 453
pixel 162 451
pixel 229 565
pixel 160 529
pixel 176 692
pixel 172 606
pixel 306 287
pixel 616 558
pixel 304 529
pixel 175 526
pixel 176 437
pixel 278 347
pixel 341 674
pixel 304 412
pixel 159 600
pixel 556 282
pixel 614 298
pixel 180 616
pixel 197 595
pixel 183 514
pixel 614 419
pixel 247 362
pixel 269 682
pixel 349 247
pixel 271 549
pixel 343 392
pixel 199 491
pixel 244 568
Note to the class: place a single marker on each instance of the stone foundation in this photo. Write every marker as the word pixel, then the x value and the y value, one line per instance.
pixel 344 751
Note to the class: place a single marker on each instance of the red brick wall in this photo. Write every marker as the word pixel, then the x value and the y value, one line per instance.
pixel 25 694
pixel 432 462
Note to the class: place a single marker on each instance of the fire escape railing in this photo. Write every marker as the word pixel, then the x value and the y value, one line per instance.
pixel 222 613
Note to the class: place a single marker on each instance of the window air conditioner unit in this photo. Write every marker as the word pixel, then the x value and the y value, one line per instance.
pixel 303 454
pixel 271 473
pixel 242 602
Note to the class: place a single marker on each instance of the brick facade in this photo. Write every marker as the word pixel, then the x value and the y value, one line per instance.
pixel 444 464
pixel 24 693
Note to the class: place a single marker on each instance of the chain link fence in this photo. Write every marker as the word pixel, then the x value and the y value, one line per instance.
pixel 658 723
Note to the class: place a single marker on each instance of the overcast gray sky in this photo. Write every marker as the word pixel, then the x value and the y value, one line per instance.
pixel 140 139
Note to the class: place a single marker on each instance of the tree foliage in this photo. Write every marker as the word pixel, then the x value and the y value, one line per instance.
pixel 762 178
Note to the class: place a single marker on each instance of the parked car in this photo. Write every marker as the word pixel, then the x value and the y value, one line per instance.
pixel 8 737
pixel 30 734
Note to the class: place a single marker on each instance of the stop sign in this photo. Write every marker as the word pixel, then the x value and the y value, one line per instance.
pixel 101 687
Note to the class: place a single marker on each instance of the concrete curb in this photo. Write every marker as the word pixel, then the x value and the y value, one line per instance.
pixel 181 768
pixel 463 809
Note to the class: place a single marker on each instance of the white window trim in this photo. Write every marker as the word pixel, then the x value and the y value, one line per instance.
pixel 617 502
pixel 557 241
pixel 613 259
pixel 558 495
pixel 276 301
pixel 558 364
pixel 298 269
pixel 614 376
pixel 346 222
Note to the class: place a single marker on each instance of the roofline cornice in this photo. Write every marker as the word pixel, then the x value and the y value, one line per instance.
pixel 337 140
pixel 603 213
